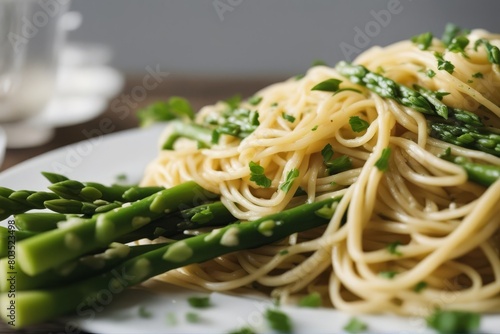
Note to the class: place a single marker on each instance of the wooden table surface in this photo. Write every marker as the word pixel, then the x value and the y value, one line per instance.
pixel 199 91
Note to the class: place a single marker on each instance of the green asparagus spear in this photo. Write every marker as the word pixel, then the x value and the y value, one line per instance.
pixel 466 136
pixel 424 101
pixel 35 306
pixel 482 174
pixel 38 222
pixel 21 201
pixel 187 130
pixel 73 271
pixel 6 233
pixel 54 177
pixel 80 236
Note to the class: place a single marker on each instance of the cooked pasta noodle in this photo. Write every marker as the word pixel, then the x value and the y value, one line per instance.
pixel 444 229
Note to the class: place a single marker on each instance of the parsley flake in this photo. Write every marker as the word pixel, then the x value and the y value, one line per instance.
pixel 175 108
pixel 257 175
pixel 290 177
pixel 492 50
pixel 288 117
pixel 458 44
pixel 451 31
pixel 327 153
pixel 422 41
pixel 311 300
pixel 199 302
pixel 255 100
pixel 338 165
pixel 358 124
pixel 144 313
pixel 329 85
pixel 278 321
pixel 314 128
pixel 444 64
pixel 383 162
pixel 420 286
pixel 448 322
pixel 389 274
pixel 392 248
pixel 355 326
pixel 234 101
pixel 478 75
pixel 430 73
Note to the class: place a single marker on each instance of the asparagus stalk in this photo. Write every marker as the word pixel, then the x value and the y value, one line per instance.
pixel 15 202
pixel 456 126
pixel 91 191
pixel 38 222
pixel 482 174
pixel 72 271
pixel 474 138
pixel 54 177
pixel 35 306
pixel 187 130
pixel 425 101
pixel 4 238
pixel 80 236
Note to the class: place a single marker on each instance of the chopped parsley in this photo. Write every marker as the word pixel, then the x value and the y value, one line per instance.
pixel 274 104
pixel 288 117
pixel 199 302
pixel 458 44
pixel 283 252
pixel 175 108
pixel 144 313
pixel 492 50
pixel 430 73
pixel 243 330
pixel 420 286
pixel 358 124
pixel 290 177
pixel 444 64
pixel 355 326
pixel 449 322
pixel 329 85
pixel 192 317
pixel 389 274
pixel 452 31
pixel 383 162
pixel 255 100
pixel 392 248
pixel 338 165
pixel 314 128
pixel 327 153
pixel 278 321
pixel 478 75
pixel 257 175
pixel 311 300
pixel 422 41
pixel 234 101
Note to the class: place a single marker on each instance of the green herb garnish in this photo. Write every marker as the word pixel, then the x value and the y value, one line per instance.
pixel 174 108
pixel 283 252
pixel 311 300
pixel 458 44
pixel 278 321
pixel 450 322
pixel 423 41
pixel 329 85
pixel 254 100
pixel 290 177
pixel 358 124
pixel 430 73
pixel 327 153
pixel 392 248
pixel 144 313
pixel 420 286
pixel 257 175
pixel 451 31
pixel 444 64
pixel 383 162
pixel 234 101
pixel 199 302
pixel 314 128
pixel 339 164
pixel 478 75
pixel 288 117
pixel 389 274
pixel 492 50
pixel 192 317
pixel 355 326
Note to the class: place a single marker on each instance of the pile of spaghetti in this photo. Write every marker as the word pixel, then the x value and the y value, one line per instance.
pixel 406 138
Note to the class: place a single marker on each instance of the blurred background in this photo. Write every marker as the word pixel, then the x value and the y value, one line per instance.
pixel 209 50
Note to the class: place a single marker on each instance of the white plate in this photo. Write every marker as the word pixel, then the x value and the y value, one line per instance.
pixel 101 160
